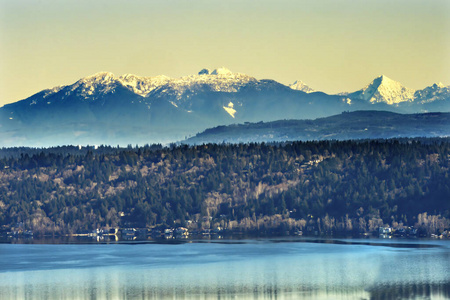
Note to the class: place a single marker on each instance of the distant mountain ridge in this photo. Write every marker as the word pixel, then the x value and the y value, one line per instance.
pixel 220 79
pixel 345 126
pixel 381 90
pixel 385 90
pixel 301 86
pixel 108 109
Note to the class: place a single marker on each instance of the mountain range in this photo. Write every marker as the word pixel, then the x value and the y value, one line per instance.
pixel 129 109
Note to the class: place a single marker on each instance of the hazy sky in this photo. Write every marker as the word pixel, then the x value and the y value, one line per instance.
pixel 332 45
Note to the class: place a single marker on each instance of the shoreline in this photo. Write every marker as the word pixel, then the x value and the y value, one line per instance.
pixel 400 242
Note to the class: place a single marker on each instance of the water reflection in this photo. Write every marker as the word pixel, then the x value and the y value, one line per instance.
pixel 411 291
pixel 224 271
pixel 114 286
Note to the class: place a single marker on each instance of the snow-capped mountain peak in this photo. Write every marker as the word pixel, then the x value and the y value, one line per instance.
pixel 102 82
pixel 384 89
pixel 301 86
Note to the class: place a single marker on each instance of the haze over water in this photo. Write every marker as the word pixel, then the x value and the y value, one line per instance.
pixel 245 270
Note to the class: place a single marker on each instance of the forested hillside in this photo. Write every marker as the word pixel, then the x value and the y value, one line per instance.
pixel 345 126
pixel 325 186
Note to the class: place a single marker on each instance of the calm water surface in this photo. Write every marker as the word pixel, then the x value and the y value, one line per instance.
pixel 267 269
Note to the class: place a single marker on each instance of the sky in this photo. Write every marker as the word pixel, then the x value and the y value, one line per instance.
pixel 331 45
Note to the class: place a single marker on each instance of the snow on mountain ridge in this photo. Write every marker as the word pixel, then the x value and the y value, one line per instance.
pixel 106 82
pixel 301 86
pixel 102 82
pixel 102 77
pixel 52 91
pixel 143 85
pixel 437 91
pixel 219 80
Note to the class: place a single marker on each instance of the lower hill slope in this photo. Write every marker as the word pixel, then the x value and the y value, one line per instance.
pixel 345 126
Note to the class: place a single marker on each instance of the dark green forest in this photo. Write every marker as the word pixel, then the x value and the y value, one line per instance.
pixel 327 186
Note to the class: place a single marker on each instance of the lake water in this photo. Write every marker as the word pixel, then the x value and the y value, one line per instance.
pixel 250 269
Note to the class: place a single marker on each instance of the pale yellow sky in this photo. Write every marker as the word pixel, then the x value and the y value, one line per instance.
pixel 332 45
